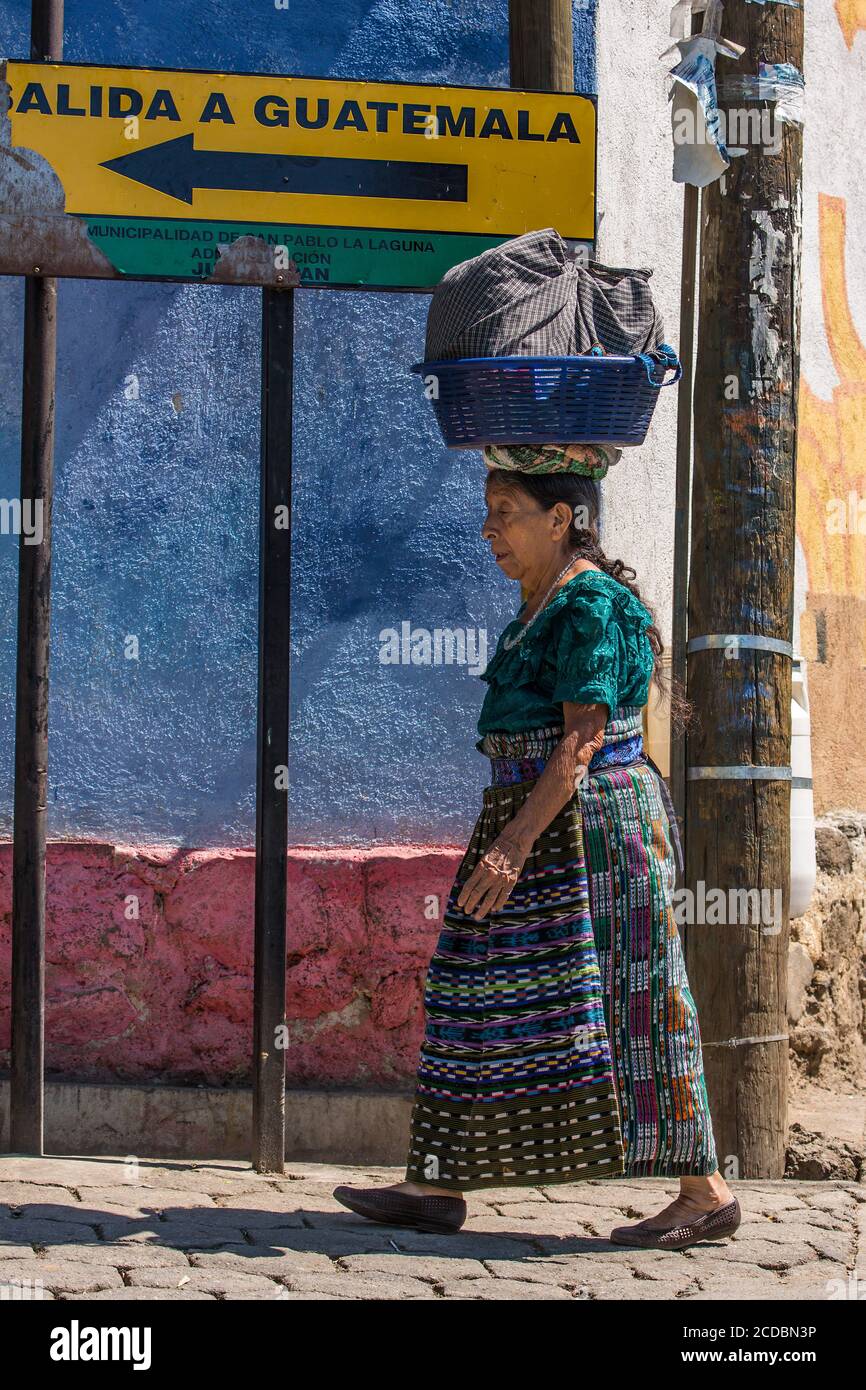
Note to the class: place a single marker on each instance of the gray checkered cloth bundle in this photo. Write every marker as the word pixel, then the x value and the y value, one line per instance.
pixel 529 298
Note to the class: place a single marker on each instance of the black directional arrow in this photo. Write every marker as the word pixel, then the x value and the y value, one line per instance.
pixel 176 167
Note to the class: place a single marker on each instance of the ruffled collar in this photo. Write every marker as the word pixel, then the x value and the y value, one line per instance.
pixel 527 653
pixel 590 577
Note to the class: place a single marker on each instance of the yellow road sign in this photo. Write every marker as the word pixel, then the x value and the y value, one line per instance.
pixel 159 165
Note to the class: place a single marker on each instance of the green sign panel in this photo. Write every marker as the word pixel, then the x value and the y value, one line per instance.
pixel 324 256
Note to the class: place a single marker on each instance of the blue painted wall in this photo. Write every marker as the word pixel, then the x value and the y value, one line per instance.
pixel 155 521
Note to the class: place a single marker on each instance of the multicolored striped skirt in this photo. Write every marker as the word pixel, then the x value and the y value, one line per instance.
pixel 561 1039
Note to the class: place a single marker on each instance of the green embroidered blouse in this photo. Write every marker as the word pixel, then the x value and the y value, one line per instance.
pixel 588 646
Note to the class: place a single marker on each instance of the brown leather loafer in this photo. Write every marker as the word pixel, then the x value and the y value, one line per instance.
pixel 713 1225
pixel 434 1213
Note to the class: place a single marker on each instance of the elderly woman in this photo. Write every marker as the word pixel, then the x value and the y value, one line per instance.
pixel 562 1040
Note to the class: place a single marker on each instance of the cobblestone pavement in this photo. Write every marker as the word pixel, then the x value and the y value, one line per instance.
pixel 109 1228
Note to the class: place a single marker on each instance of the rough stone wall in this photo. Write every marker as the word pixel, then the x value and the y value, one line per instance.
pixel 149 963
pixel 827 960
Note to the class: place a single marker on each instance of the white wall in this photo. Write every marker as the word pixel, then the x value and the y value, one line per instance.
pixel 640 211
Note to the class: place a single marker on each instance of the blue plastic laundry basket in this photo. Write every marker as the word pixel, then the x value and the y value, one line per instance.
pixel 547 400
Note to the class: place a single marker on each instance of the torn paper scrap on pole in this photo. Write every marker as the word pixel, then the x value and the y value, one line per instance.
pixel 685 10
pixel 700 153
pixel 680 16
pixel 781 83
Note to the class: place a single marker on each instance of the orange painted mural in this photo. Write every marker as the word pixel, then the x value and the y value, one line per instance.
pixel 831 465
pixel 851 15
pixel 831 474
pixel 831 527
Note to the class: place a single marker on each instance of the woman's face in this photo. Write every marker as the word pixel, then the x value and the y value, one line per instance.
pixel 523 537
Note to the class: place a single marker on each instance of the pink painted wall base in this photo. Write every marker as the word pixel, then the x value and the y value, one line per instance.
pixel 149 962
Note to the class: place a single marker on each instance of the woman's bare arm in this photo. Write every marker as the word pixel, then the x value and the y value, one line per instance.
pixel 491 881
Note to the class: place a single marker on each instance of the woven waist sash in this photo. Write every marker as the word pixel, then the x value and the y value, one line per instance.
pixel 624 725
pixel 523 756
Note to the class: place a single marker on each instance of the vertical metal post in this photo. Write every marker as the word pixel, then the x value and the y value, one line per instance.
pixel 31 681
pixel 685 422
pixel 269 1001
pixel 679 618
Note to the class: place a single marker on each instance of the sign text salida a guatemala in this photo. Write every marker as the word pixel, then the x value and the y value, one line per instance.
pixel 241 179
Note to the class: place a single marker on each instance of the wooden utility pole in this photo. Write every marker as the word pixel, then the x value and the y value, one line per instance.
pixel 541 45
pixel 741 607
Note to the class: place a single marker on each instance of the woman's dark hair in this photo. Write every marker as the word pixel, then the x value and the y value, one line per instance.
pixel 581 494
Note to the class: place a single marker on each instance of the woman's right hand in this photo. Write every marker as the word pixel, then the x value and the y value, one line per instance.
pixel 489 886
